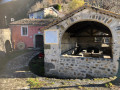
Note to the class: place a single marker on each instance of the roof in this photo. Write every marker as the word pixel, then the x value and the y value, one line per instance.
pixel 102 11
pixel 40 22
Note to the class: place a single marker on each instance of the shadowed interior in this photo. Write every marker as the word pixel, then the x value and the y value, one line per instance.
pixel 87 39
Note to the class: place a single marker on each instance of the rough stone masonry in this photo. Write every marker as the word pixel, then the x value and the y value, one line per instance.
pixel 81 67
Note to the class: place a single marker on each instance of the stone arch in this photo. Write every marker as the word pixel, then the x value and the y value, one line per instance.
pixel 78 67
pixel 75 59
pixel 112 30
pixel 113 35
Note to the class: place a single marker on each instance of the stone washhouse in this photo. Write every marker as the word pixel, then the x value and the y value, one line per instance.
pixel 84 43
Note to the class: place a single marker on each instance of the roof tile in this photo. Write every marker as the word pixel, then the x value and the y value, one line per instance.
pixel 40 22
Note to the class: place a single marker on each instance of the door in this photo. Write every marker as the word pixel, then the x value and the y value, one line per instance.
pixel 39 41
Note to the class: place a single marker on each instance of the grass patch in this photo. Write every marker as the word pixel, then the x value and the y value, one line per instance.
pixel 109 85
pixel 36 83
pixel 80 87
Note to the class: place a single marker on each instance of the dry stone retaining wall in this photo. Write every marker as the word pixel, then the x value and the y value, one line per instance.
pixel 97 67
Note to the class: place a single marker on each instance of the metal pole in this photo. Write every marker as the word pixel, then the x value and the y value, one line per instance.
pixel 6 21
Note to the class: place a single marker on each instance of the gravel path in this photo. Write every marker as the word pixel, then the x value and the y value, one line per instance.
pixel 16 72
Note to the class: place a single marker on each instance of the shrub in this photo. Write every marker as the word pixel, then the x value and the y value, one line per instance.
pixel 74 4
pixel 57 7
pixel 35 83
pixel 108 85
pixel 49 16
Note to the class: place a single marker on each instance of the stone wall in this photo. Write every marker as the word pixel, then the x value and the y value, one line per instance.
pixel 75 67
pixel 5 34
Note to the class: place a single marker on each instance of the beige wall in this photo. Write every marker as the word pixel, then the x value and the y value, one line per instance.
pixel 5 34
pixel 50 11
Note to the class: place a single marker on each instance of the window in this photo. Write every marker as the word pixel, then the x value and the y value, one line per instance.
pixel 24 31
pixel 31 15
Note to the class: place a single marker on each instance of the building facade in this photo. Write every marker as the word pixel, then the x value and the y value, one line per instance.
pixel 26 33
pixel 5 41
pixel 43 12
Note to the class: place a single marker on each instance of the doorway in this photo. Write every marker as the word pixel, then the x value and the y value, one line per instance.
pixel 39 41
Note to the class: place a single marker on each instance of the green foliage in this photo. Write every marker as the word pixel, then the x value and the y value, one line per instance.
pixel 49 16
pixel 57 7
pixel 74 4
pixel 36 83
pixel 77 83
pixel 109 85
pixel 53 83
pixel 100 79
pixel 64 83
pixel 80 87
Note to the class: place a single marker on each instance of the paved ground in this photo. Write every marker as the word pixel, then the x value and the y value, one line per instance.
pixel 16 72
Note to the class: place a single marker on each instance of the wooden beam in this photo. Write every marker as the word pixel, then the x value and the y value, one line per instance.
pixel 96 31
pixel 92 36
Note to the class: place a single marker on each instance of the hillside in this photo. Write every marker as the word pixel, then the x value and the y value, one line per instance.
pixel 18 9
pixel 111 5
pixel 14 9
